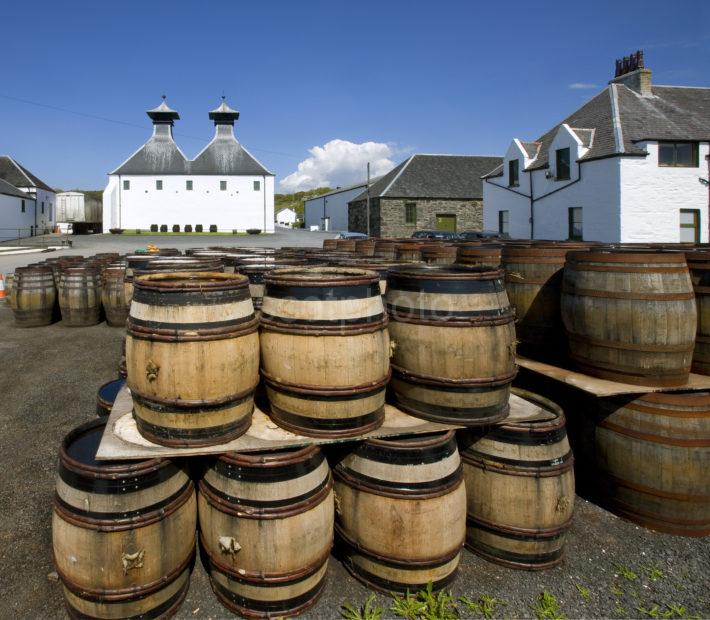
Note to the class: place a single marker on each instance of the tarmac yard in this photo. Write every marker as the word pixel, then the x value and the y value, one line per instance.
pixel 48 381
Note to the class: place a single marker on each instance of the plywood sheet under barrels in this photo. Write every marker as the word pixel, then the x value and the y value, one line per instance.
pixel 122 440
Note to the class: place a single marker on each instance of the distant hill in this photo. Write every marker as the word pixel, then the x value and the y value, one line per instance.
pixel 295 201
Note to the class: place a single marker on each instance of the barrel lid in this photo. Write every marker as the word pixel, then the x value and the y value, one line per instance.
pixel 626 256
pixel 109 391
pixel 446 272
pixel 190 281
pixel 544 415
pixel 322 276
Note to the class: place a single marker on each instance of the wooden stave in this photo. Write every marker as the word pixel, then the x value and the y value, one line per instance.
pixel 498 536
pixel 30 308
pixel 640 362
pixel 699 267
pixel 160 511
pixel 204 413
pixel 236 495
pixel 450 395
pixel 80 296
pixel 113 296
pixel 404 566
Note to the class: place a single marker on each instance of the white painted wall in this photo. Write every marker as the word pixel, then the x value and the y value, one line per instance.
pixel 239 207
pixel 46 209
pixel 335 207
pixel 12 217
pixel 652 196
pixel 286 217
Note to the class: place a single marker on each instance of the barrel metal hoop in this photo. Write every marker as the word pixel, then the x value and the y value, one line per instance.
pixel 648 269
pixel 119 595
pixel 386 586
pixel 532 561
pixel 671 413
pixel 453 318
pixel 567 289
pixel 157 403
pixel 193 335
pixel 659 439
pixel 266 510
pixel 273 467
pixel 400 490
pixel 458 416
pixel 513 467
pixel 519 533
pixel 321 427
pixel 629 346
pixel 337 392
pixel 404 453
pixel 194 437
pixel 639 488
pixel 444 382
pixel 632 375
pixel 679 527
pixel 121 525
pixel 338 328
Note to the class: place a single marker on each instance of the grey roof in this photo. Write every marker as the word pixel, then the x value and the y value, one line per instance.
pixel 163 112
pixel 224 155
pixel 340 190
pixel 434 176
pixel 10 190
pixel 531 148
pixel 496 172
pixel 223 113
pixel 160 155
pixel 620 117
pixel 18 175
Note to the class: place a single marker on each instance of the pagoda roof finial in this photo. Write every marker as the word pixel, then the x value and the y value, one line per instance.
pixel 163 113
pixel 223 114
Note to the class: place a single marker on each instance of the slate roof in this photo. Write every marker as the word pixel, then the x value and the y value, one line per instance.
pixel 19 176
pixel 347 188
pixel 531 148
pixel 620 117
pixel 434 176
pixel 160 155
pixel 224 155
pixel 10 190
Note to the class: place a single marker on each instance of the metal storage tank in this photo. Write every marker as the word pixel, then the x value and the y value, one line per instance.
pixel 79 213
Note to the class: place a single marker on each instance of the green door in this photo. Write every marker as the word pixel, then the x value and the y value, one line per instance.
pixel 445 221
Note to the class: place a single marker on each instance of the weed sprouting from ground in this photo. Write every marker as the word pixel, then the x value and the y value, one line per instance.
pixel 485 605
pixel 367 612
pixel 653 571
pixel 425 605
pixel 547 608
pixel 583 592
pixel 626 572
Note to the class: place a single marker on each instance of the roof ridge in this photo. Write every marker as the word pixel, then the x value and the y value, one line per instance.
pixel 396 176
pixel 616 119
pixel 22 172
pixel 676 86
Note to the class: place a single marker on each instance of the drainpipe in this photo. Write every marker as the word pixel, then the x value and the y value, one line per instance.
pixel 532 206
pixel 263 191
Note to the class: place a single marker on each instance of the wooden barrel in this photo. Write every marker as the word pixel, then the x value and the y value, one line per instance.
pixel 533 279
pixel 122 369
pixel 122 532
pixel 192 353
pixel 33 296
pixel 479 255
pixel 114 297
pixel 9 286
pixel 386 249
pixel 80 296
pixel 409 252
pixel 106 396
pixel 630 316
pixel 699 266
pixel 454 343
pixel 266 525
pixel 652 458
pixel 256 272
pixel 345 245
pixel 377 265
pixel 325 350
pixel 365 247
pixel 520 488
pixel 401 511
pixel 330 244
pixel 436 254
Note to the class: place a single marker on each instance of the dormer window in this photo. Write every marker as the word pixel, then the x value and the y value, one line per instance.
pixel 562 164
pixel 514 173
pixel 678 154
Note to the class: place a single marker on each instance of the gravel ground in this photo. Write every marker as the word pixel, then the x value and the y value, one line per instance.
pixel 48 383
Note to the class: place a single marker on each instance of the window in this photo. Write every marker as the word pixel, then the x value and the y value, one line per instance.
pixel 158 184
pixel 513 173
pixel 43 207
pixel 257 186
pixel 678 154
pixel 690 225
pixel 575 223
pixel 503 217
pixel 410 213
pixel 126 184
pixel 562 164
pixel 223 186
pixel 23 206
pixel 50 211
pixel 188 186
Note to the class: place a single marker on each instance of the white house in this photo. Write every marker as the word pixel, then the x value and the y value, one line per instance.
pixel 286 217
pixel 329 211
pixel 630 165
pixel 39 215
pixel 16 212
pixel 223 186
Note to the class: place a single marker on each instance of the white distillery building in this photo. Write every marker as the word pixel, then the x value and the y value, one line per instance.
pixel 286 217
pixel 33 210
pixel 329 211
pixel 223 186
pixel 630 165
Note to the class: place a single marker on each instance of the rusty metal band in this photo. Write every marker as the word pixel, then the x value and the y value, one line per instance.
pixel 395 562
pixel 647 269
pixel 131 523
pixel 333 391
pixel 519 533
pixel 659 439
pixel 525 561
pixel 451 319
pixel 158 403
pixel 508 467
pixel 201 335
pixel 386 586
pixel 644 490
pixel 634 376
pixel 300 504
pixel 265 579
pixel 329 428
pixel 264 609
pixel 272 466
pixel 635 296
pixel 628 346
pixel 284 327
pixel 119 595
pixel 679 527
pixel 477 382
pixel 670 413
pixel 193 437
pixel 399 490
pixel 190 282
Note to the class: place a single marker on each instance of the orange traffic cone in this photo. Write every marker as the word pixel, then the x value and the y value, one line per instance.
pixel 3 296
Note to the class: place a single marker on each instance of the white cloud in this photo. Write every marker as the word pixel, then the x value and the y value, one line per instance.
pixel 339 163
pixel 582 85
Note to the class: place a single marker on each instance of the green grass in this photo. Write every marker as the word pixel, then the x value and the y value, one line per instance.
pixel 425 605
pixel 583 592
pixel 367 612
pixel 653 571
pixel 626 572
pixel 547 607
pixel 295 201
pixel 147 233
pixel 484 606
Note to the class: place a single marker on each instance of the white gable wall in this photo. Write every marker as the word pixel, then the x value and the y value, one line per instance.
pixel 652 196
pixel 13 222
pixel 335 207
pixel 239 207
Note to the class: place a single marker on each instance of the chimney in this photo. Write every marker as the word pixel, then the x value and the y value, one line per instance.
pixel 163 118
pixel 224 117
pixel 631 72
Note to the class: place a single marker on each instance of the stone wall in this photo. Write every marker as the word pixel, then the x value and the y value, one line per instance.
pixel 357 217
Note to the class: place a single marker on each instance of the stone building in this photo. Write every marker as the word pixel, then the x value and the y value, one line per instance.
pixel 424 192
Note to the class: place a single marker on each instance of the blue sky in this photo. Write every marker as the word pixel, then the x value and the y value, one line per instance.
pixel 437 77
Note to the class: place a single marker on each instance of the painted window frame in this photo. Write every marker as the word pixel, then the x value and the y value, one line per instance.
pixel 504 221
pixel 695 153
pixel 571 222
pixel 561 165
pixel 410 213
pixel 696 223
pixel 514 173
